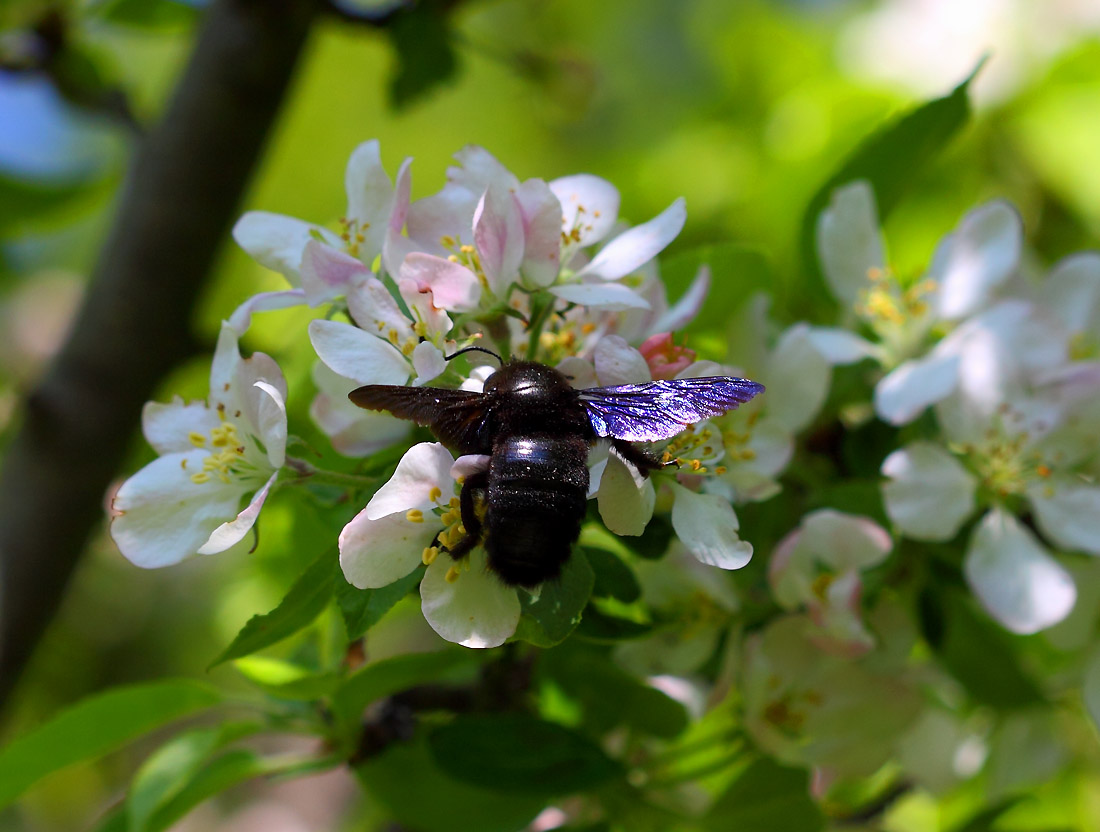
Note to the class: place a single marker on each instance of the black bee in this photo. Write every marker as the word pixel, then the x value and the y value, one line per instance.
pixel 537 430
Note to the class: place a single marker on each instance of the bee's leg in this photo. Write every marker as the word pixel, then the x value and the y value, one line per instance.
pixel 470 521
pixel 638 458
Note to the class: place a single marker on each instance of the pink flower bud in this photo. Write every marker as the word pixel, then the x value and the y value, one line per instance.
pixel 665 359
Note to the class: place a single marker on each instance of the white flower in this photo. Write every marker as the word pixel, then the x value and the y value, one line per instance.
pixel 211 455
pixel 404 525
pixel 353 431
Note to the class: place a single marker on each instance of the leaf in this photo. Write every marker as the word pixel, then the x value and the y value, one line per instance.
pixel 519 753
pixel 426 58
pixel 550 618
pixel 891 159
pixel 224 772
pixel 96 726
pixel 304 602
pixel 389 676
pixel 766 797
pixel 614 579
pixel 653 543
pixel 363 608
pixel 600 627
pixel 156 15
pixel 287 680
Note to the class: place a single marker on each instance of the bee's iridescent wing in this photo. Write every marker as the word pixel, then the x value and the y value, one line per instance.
pixel 659 410
pixel 456 417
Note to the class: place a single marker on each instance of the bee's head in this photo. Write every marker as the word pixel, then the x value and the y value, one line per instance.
pixel 528 379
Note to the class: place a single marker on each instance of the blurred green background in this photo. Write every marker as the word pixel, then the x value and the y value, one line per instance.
pixel 743 108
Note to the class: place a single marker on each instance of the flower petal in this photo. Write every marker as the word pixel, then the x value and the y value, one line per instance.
pixel 453 286
pixel 541 233
pixel 376 552
pixel 476 610
pixel 428 363
pixel 241 319
pixel 233 532
pixel 167 427
pixel 609 296
pixel 839 346
pixel 277 242
pixel 424 468
pixel 374 309
pixel 328 273
pixel 1072 291
pixel 617 362
pixel 798 378
pixel 1015 578
pixel 588 204
pixel 982 253
pixel 469 464
pixel 396 246
pixel 358 355
pixel 930 495
pixel 638 245
pixel 271 422
pixel 580 372
pixel 370 197
pixel 353 431
pixel 683 312
pixel 845 541
pixel 707 526
pixel 498 235
pixel 625 497
pixel 848 240
pixel 1068 513
pixel 909 389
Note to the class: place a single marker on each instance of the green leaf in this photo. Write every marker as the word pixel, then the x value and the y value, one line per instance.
pixel 287 680
pixel 653 543
pixel 363 608
pixel 406 780
pixel 95 727
pixel 766 797
pixel 217 775
pixel 600 627
pixel 169 770
pixel 425 54
pixel 519 753
pixel 156 15
pixel 550 618
pixel 304 602
pixel 389 676
pixel 614 579
pixel 891 159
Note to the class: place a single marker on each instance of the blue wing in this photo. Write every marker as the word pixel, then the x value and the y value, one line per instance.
pixel 661 409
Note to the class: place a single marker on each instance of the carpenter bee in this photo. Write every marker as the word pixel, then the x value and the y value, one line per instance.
pixel 537 429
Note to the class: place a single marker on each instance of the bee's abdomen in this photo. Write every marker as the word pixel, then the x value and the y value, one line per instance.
pixel 538 491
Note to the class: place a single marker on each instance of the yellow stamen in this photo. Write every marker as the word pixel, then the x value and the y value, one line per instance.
pixel 435 493
pixel 414 515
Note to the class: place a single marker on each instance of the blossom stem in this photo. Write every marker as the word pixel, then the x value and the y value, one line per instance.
pixel 304 471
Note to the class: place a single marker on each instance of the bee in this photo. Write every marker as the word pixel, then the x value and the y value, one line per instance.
pixel 536 430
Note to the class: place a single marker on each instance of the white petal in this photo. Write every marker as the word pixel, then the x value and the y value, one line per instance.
pixel 167 427
pixel 375 553
pixel 277 242
pixel 271 422
pixel 541 233
pixel 479 170
pixel 1068 512
pixel 1016 580
pixel 589 204
pixel 683 312
pixel 983 253
pixel 328 273
pixel 163 516
pixel 354 432
pixel 909 389
pixel 370 197
pixel 241 319
pixel 477 610
pixel 609 296
pixel 233 532
pixel 424 467
pixel 797 378
pixel 498 235
pixel 707 526
pixel 845 541
pixel 358 355
pixel 930 495
pixel 848 240
pixel 428 363
pixel 469 464
pixel 839 346
pixel 374 309
pixel 617 362
pixel 625 497
pixel 638 245
pixel 453 286
pixel 225 367
pixel 1072 291
pixel 581 373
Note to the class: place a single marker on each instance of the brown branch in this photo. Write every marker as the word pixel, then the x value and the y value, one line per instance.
pixel 181 195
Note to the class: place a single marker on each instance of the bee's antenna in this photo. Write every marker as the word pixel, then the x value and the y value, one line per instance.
pixel 471 349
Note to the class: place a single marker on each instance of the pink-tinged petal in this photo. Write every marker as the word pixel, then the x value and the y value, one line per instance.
pixel 797 378
pixel 665 358
pixel 375 553
pixel 395 246
pixel 453 286
pixel 837 616
pixel 839 346
pixel 468 465
pixel 423 470
pixel 848 240
pixel 541 213
pixel 1068 512
pixel 233 532
pixel 422 305
pixel 498 235
pixel 162 516
pixel 373 308
pixel 479 170
pixel 354 432
pixel 683 312
pixel 983 253
pixel 271 422
pixel 845 541
pixel 930 494
pixel 1072 292
pixel 167 427
pixel 241 319
pixel 276 242
pixel 1015 578
pixel 612 297
pixel 370 197
pixel 449 213
pixel 588 204
pixel 428 363
pixel 707 526
pixel 638 245
pixel 358 355
pixel 474 610
pixel 581 373
pixel 618 363
pixel 791 572
pixel 625 497
pixel 328 273
pixel 912 387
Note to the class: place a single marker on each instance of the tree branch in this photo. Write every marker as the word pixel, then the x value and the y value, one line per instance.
pixel 181 195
